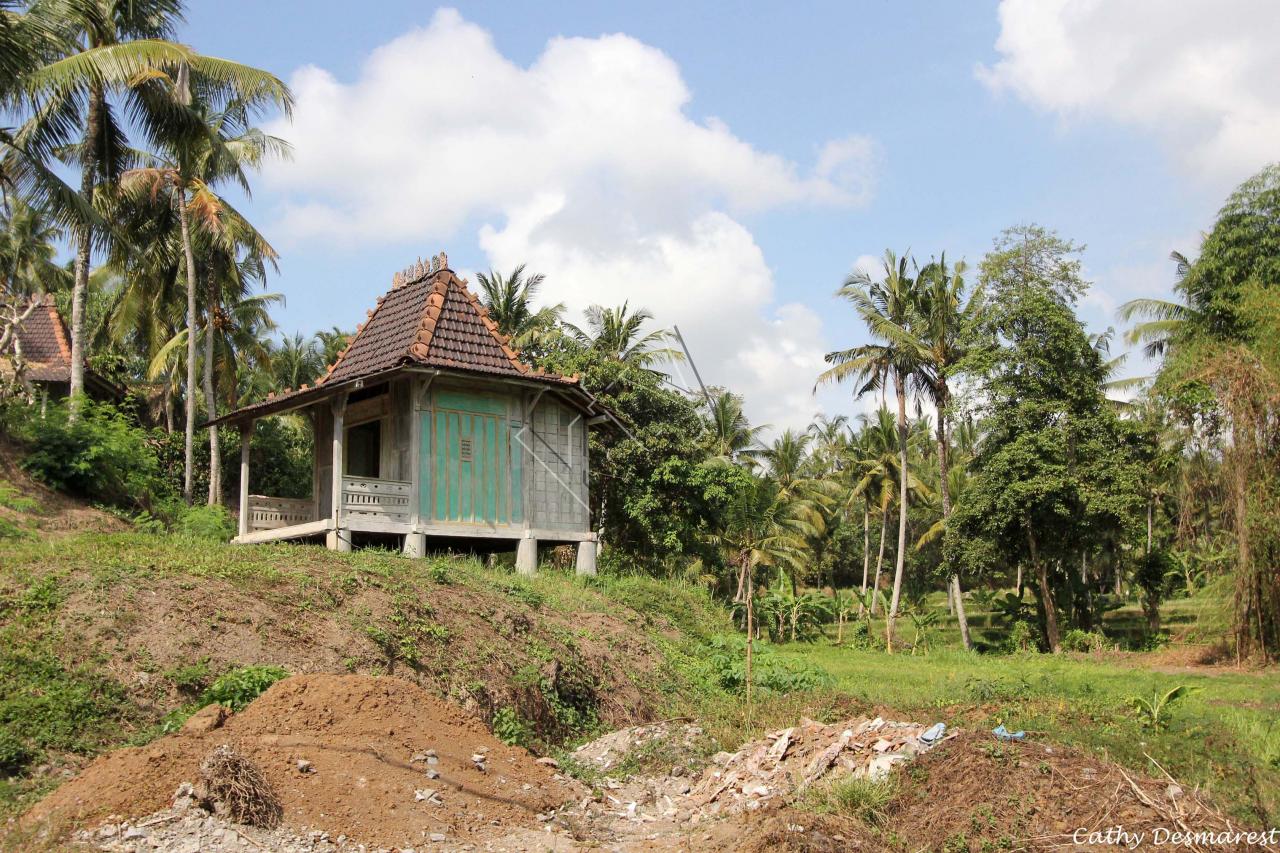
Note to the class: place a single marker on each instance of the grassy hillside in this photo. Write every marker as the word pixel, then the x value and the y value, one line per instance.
pixel 109 638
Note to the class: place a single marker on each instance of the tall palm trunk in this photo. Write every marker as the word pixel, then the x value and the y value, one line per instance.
pixel 899 383
pixel 80 287
pixel 954 593
pixel 748 572
pixel 167 401
pixel 210 396
pixel 867 541
pixel 884 522
pixel 188 448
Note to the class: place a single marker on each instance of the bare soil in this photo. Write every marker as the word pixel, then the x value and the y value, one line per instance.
pixel 360 735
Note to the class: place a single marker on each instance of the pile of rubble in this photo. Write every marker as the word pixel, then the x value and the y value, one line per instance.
pixel 791 760
pixel 766 771
pixel 604 754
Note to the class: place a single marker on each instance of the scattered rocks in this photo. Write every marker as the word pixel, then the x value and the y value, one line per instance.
pixel 428 795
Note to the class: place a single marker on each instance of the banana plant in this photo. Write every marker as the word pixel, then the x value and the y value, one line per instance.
pixel 1154 713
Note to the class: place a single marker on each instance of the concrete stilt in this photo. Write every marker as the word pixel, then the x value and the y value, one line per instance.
pixel 338 540
pixel 415 544
pixel 527 557
pixel 586 558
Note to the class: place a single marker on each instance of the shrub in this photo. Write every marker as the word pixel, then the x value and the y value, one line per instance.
pixel 238 687
pixel 1083 641
pixel 1021 638
pixel 100 455
pixel 192 678
pixel 206 522
pixel 510 728
pixel 997 689
pixel 728 665
pixel 859 636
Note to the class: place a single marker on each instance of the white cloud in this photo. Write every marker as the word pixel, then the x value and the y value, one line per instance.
pixel 869 265
pixel 584 165
pixel 1200 74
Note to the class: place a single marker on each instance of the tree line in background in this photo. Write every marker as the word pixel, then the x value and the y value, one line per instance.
pixel 1001 456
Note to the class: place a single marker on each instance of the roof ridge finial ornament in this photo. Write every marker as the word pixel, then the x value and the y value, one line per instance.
pixel 435 264
pixel 444 260
pixel 397 280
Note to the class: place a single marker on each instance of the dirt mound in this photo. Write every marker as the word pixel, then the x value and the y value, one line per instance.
pixel 979 794
pixel 376 759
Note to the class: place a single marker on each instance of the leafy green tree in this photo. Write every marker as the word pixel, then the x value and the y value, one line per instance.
pixel 1221 376
pixel 1242 248
pixel 656 493
pixel 1055 466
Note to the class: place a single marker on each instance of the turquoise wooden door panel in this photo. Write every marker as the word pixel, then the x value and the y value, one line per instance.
pixel 470 466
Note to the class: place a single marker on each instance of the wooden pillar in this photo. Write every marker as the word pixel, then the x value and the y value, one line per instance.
pixel 246 434
pixel 338 538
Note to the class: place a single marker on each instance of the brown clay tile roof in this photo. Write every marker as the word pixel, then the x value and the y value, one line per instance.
pixel 431 320
pixel 46 345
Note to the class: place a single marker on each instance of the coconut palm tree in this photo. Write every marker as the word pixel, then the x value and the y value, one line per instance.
pixel 216 147
pixel 28 236
pixel 889 309
pixel 831 438
pixel 332 341
pixel 947 312
pixel 877 477
pixel 762 527
pixel 509 300
pixel 618 334
pixel 730 436
pixel 117 60
pixel 295 361
pixel 1162 320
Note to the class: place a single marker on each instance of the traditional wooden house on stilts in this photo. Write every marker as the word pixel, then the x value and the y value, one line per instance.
pixel 428 428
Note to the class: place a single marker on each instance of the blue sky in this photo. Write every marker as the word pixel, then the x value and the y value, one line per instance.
pixel 728 164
